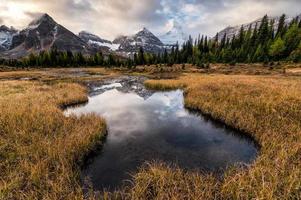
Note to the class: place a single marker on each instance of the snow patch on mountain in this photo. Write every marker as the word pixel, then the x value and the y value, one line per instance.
pixel 43 34
pixel 95 41
pixel 144 38
pixel 112 46
pixel 6 37
pixel 174 35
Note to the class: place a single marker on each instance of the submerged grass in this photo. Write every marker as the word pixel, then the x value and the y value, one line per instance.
pixel 268 108
pixel 40 148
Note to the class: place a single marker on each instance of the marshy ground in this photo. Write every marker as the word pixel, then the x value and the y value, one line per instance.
pixel 41 150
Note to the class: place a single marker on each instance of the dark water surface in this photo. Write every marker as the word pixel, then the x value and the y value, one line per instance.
pixel 145 126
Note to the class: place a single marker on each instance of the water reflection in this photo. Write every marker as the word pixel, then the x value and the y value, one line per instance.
pixel 157 128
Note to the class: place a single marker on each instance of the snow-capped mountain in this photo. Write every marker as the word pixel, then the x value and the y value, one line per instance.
pixel 144 38
pixel 44 33
pixel 97 42
pixel 230 31
pixel 6 37
pixel 174 35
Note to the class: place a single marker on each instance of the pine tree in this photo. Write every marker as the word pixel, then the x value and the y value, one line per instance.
pixel 292 39
pixel 141 59
pixel 263 32
pixel 296 54
pixel 281 26
pixel 176 57
pixel 277 49
pixel 201 44
pixel 165 57
pixel 241 36
pixel 223 41
pixel 206 46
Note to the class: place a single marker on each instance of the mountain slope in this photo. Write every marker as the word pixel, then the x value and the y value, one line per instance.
pixel 44 34
pixel 6 37
pixel 230 31
pixel 174 36
pixel 96 42
pixel 144 38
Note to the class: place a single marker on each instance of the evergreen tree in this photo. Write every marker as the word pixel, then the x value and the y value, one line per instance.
pixel 292 39
pixel 263 32
pixel 277 49
pixel 141 60
pixel 241 36
pixel 296 54
pixel 223 41
pixel 281 26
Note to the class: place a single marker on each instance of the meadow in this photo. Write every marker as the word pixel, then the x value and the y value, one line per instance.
pixel 266 107
pixel 42 150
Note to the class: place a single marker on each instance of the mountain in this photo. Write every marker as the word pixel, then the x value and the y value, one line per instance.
pixel 44 34
pixel 230 31
pixel 6 37
pixel 96 42
pixel 174 35
pixel 144 38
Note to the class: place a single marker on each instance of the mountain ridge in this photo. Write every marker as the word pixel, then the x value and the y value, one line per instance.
pixel 174 36
pixel 230 31
pixel 6 36
pixel 44 33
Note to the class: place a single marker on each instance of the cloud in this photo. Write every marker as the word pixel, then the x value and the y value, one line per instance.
pixel 33 15
pixel 109 18
pixel 79 5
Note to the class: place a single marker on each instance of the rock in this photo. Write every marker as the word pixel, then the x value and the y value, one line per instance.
pixel 144 38
pixel 44 34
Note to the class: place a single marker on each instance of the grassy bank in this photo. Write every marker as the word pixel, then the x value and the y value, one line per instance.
pixel 41 149
pixel 268 108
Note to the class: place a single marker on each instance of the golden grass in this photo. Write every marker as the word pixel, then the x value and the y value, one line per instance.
pixel 160 181
pixel 268 108
pixel 59 75
pixel 218 68
pixel 40 148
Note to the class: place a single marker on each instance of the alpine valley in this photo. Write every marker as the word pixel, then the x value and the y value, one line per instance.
pixel 44 33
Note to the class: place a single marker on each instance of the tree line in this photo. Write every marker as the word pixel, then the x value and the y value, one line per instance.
pixel 264 42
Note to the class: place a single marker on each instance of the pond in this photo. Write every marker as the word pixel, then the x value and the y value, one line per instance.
pixel 146 126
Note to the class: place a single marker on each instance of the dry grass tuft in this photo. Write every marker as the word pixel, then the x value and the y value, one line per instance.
pixel 160 181
pixel 40 148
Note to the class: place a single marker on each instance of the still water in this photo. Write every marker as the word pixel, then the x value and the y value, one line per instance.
pixel 146 126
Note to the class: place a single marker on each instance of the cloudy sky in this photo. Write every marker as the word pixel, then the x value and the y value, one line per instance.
pixel 109 18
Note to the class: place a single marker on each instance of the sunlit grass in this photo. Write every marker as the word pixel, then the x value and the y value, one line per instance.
pixel 268 108
pixel 40 148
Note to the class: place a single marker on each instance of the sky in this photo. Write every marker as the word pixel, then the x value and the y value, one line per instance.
pixel 111 18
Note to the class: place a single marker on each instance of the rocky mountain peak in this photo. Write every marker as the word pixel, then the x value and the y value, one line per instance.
pixel 96 42
pixel 43 20
pixel 6 35
pixel 144 38
pixel 43 34
pixel 144 31
pixel 86 36
pixel 4 28
pixel 174 35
